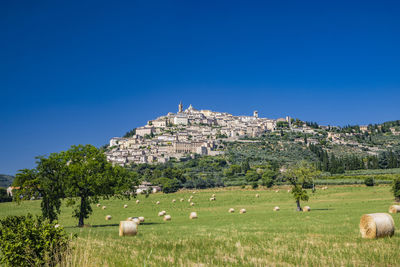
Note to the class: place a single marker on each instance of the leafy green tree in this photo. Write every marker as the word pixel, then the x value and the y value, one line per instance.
pixel 252 176
pixel 268 177
pixel 299 174
pixel 396 189
pixel 90 176
pixel 245 166
pixel 369 181
pixel 171 186
pixel 45 181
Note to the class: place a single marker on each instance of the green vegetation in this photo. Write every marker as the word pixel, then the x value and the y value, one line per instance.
pixel 327 236
pixel 25 241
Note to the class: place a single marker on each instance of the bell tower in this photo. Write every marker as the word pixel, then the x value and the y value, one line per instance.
pixel 180 107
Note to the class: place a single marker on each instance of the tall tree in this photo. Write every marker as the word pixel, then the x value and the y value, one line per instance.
pixel 90 176
pixel 45 181
pixel 298 175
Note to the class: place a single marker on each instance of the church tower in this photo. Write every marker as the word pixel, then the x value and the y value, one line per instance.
pixel 180 107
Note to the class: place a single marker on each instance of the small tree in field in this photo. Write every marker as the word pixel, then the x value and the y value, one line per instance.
pixel 299 175
pixel 90 176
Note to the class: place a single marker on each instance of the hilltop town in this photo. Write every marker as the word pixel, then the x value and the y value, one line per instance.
pixel 205 132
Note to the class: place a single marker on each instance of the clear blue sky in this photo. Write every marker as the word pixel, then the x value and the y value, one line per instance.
pixel 79 72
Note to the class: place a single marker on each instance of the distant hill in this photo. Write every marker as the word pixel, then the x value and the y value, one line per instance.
pixel 6 180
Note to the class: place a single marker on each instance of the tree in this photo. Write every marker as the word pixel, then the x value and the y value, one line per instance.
pixel 252 176
pixel 396 189
pixel 90 176
pixel 245 166
pixel 45 181
pixel 299 174
pixel 268 177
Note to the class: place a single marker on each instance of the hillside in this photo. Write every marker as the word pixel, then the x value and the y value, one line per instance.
pixel 6 180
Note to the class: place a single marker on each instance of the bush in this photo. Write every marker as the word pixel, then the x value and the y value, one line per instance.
pixel 171 186
pixel 396 189
pixel 25 241
pixel 268 182
pixel 254 185
pixel 369 181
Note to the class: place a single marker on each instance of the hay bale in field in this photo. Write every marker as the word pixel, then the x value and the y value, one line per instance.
pixel 127 228
pixel 103 208
pixel 306 209
pixel 193 215
pixel 376 225
pixel 158 202
pixel 212 199
pixel 231 210
pixel 194 192
pixel 136 220
pixel 174 200
pixel 129 219
pixel 137 201
pixel 213 195
pixel 181 200
pixel 257 195
pixel 289 191
pixel 277 208
pixel 141 219
pixel 242 211
pixel 191 204
pixel 167 218
pixel 125 206
pixel 161 213
pixel 108 217
pixel 394 209
pixel 277 190
pixel 98 205
pixel 191 197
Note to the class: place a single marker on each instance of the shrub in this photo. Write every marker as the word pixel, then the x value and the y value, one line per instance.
pixel 171 186
pixel 369 181
pixel 25 241
pixel 268 182
pixel 254 185
pixel 396 189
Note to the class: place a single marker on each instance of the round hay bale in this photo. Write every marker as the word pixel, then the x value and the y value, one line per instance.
pixel 136 220
pixel 242 211
pixel 194 192
pixel 158 202
pixel 189 200
pixel 306 209
pixel 257 195
pixel 127 228
pixel 276 191
pixel 103 208
pixel 181 200
pixel 394 209
pixel 191 204
pixel 288 190
pixel 191 197
pixel 212 199
pixel 376 225
pixel 108 217
pixel 160 214
pixel 276 208
pixel 193 215
pixel 141 219
pixel 129 219
pixel 98 205
pixel 231 210
pixel 125 206
pixel 213 195
pixel 167 218
pixel 174 200
pixel 137 201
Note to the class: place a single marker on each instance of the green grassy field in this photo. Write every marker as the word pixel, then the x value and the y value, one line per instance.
pixel 326 236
